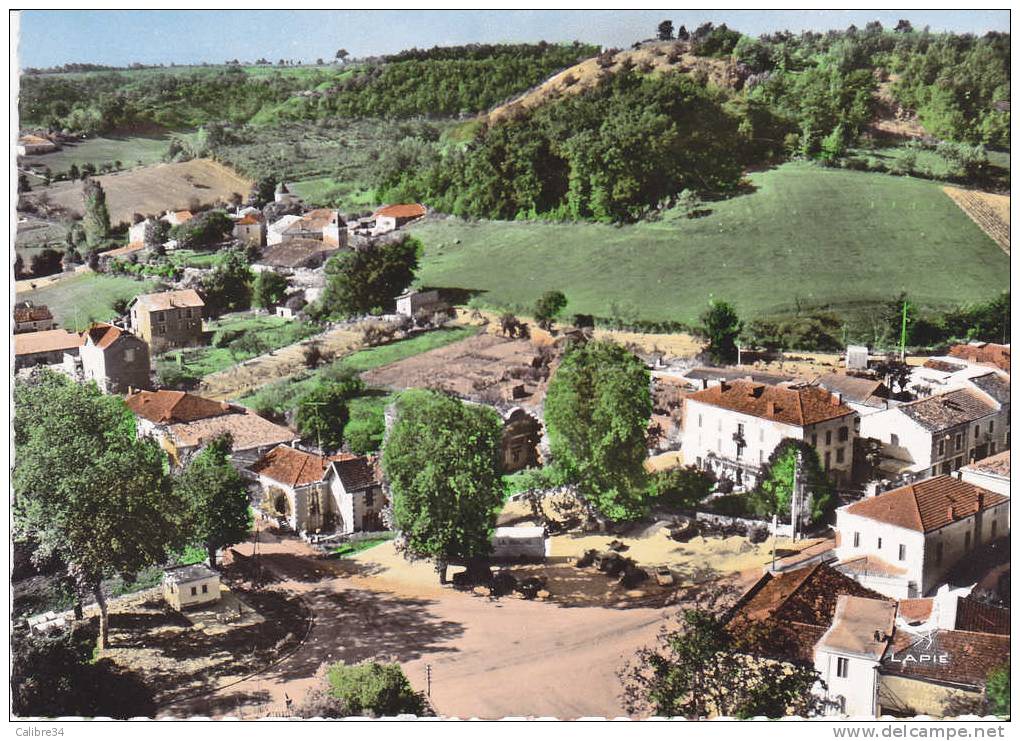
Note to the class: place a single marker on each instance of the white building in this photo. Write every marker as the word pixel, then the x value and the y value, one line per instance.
pixel 991 473
pixel 512 543
pixel 937 434
pixel 250 229
pixel 734 427
pixel 187 586
pixel 903 542
pixel 274 233
pixel 395 216
pixel 136 233
pixel 284 196
pixel 849 655
pixel 411 302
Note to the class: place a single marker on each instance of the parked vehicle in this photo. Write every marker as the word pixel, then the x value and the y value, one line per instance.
pixel 664 577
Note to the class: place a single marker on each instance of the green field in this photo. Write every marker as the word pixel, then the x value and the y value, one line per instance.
pixel 34 236
pixel 806 236
pixel 322 192
pixel 81 299
pixel 104 149
pixel 240 336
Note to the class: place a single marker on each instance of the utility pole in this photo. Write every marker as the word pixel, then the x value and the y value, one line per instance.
pixel 903 333
pixel 428 680
pixel 794 498
pixel 775 536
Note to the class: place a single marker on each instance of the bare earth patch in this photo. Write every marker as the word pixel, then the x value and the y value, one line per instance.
pixel 988 210
pixel 154 189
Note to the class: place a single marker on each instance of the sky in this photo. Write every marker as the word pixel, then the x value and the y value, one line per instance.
pixel 118 38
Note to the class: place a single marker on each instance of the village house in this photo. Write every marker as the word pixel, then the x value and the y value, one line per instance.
pixel 29 144
pixel 114 358
pixel 323 224
pixel 983 353
pixel 294 255
pixel 944 373
pixel 250 229
pixel 991 473
pixel 902 543
pixel 120 253
pixel 937 434
pixel 31 318
pixel 275 231
pixel 183 422
pixel 702 378
pixel 872 653
pixel 47 347
pixel 732 428
pixel 190 586
pixel 863 395
pixel 315 493
pixel 169 319
pixel 176 218
pixel 136 232
pixel 389 218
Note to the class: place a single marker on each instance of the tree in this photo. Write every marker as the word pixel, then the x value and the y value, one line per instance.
pixel 597 411
pixel 358 281
pixel 721 327
pixel 895 373
pixel 700 670
pixel 997 691
pixel 228 287
pixel 203 231
pixel 264 191
pixel 73 173
pixel 97 218
pixel 87 489
pixel 46 262
pixel 157 232
pixel 215 498
pixel 270 289
pixel 341 54
pixel 903 26
pixel 322 413
pixel 681 488
pixel 774 492
pixel 548 306
pixel 664 32
pixel 682 34
pixel 442 460
pixel 366 689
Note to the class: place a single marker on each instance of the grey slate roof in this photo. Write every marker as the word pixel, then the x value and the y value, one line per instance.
pixel 948 410
pixel 995 385
pixel 356 474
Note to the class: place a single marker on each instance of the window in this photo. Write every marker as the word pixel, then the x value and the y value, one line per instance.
pixel 879 544
pixel 699 420
pixel 194 591
pixel 995 527
pixel 857 540
pixel 205 589
pixel 828 437
pixel 827 455
pixel 903 552
pixel 966 541
pixel 894 440
pixel 957 463
pixel 991 448
pixel 942 448
pixel 369 497
pixel 740 429
pixel 959 441
pixel 839 455
pixel 842 667
pixel 977 431
pixel 814 441
pixel 938 554
pixel 844 434
pixel 129 355
pixel 946 467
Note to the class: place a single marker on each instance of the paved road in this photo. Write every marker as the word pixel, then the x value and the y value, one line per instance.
pixel 489 659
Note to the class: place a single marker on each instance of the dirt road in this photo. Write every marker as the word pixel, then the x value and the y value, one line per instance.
pixel 245 377
pixel 489 659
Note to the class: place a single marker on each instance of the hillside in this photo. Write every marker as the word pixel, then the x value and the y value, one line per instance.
pixel 807 235
pixel 651 58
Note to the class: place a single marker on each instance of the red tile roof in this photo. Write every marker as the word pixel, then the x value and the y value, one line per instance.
pixel 102 334
pixel 986 353
pixel 247 430
pixel 927 505
pixel 49 340
pixel 173 407
pixel 980 617
pixel 127 249
pixel 915 610
pixel 402 211
pixel 249 218
pixel 170 300
pixel 969 657
pixel 997 465
pixel 799 406
pixel 293 467
pixel 32 313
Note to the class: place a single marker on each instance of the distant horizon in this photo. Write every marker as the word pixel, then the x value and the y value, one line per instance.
pixel 121 38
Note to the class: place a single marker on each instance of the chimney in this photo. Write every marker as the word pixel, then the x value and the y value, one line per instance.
pixel 879 636
pixel 770 408
pixel 836 398
pixel 951 512
pixel 981 500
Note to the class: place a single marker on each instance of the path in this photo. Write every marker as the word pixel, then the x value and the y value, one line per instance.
pixel 489 659
pixel 245 377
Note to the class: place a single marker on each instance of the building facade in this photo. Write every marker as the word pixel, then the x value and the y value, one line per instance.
pixel 168 320
pixel 115 359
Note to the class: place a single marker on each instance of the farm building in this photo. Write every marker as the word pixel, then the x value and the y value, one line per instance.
pixel 412 302
pixel 250 229
pixel 188 586
pixel 32 144
pixel 295 254
pixel 31 318
pixel 395 216
pixel 275 231
pixel 114 358
pixel 168 319
pixel 45 348
pixel 513 543
pixel 323 224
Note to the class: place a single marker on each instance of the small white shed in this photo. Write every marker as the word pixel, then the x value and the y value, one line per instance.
pixel 186 586
pixel 856 357
pixel 520 542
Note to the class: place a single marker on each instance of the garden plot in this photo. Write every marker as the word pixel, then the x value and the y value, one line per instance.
pixel 988 210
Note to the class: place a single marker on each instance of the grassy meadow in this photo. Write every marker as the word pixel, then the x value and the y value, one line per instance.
pixel 806 236
pixel 79 300
pixel 130 150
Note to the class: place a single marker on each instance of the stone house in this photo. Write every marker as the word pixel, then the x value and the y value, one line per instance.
pixel 31 318
pixel 167 320
pixel 47 347
pixel 389 218
pixel 30 144
pixel 903 542
pixel 323 224
pixel 250 229
pixel 136 232
pixel 295 254
pixel 733 427
pixel 183 422
pixel 189 586
pixel 115 359
pixel 315 493
pixel 275 231
pixel 937 434
pixel 412 302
